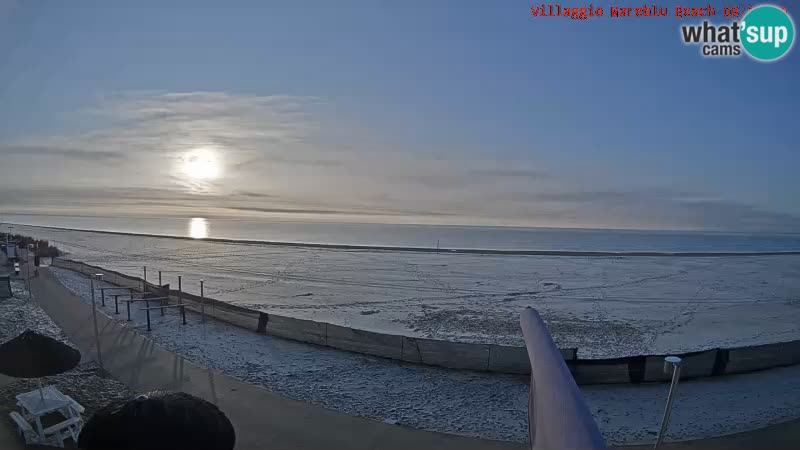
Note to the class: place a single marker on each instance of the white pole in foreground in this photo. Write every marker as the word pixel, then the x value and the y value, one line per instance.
pixel 675 363
pixel 94 320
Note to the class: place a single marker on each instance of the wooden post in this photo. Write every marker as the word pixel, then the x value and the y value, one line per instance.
pixel 148 318
pixel 180 299
pixel 202 301
pixel 116 304
pixel 159 278
pixel 144 280
pixel 129 308
pixel 102 296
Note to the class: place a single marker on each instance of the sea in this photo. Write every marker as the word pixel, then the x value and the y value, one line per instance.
pixel 424 236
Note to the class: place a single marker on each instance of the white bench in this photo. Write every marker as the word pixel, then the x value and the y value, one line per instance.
pixel 68 428
pixel 53 434
pixel 25 429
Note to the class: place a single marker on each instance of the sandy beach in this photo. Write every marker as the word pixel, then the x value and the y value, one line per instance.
pixel 606 306
pixel 485 405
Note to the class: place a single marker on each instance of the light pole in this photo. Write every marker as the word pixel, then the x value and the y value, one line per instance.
pixel 98 276
pixel 675 363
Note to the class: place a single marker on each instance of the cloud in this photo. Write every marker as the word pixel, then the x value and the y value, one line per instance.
pixel 344 212
pixel 285 155
pixel 42 151
pixel 510 173
pixel 650 208
pixel 733 216
pixel 592 196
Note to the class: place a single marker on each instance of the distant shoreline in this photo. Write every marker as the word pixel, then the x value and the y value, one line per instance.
pixel 476 251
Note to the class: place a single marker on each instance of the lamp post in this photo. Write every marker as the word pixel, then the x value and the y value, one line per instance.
pixel 98 276
pixel 673 362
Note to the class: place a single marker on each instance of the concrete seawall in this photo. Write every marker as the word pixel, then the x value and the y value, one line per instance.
pixel 458 355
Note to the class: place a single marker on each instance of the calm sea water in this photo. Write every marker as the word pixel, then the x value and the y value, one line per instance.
pixel 430 236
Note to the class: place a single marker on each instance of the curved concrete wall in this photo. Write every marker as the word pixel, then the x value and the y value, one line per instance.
pixel 459 355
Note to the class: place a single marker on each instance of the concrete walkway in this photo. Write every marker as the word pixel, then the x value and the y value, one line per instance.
pixel 262 419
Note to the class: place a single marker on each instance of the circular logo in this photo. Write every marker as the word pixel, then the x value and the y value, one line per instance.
pixel 767 33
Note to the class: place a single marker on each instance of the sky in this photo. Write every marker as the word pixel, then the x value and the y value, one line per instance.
pixel 452 112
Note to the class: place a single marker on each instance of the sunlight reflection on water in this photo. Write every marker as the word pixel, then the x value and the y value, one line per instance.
pixel 198 228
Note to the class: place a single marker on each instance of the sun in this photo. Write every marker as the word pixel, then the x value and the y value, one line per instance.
pixel 202 164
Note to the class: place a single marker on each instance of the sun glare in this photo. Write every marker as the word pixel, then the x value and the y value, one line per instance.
pixel 198 228
pixel 202 164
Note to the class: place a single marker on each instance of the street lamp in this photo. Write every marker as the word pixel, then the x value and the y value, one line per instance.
pixel 674 363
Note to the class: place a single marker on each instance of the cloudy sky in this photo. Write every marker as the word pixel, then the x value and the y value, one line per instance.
pixel 466 112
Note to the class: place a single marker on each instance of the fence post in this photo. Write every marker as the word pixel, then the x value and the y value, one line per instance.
pixel 103 296
pixel 180 299
pixel 148 318
pixel 144 280
pixel 116 304
pixel 202 301
pixel 162 295
pixel 129 308
pixel 159 278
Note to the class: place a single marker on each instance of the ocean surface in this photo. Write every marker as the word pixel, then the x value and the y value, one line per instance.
pixel 426 236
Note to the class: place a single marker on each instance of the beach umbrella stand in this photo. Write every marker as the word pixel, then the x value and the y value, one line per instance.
pixel 34 355
pixel 159 420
